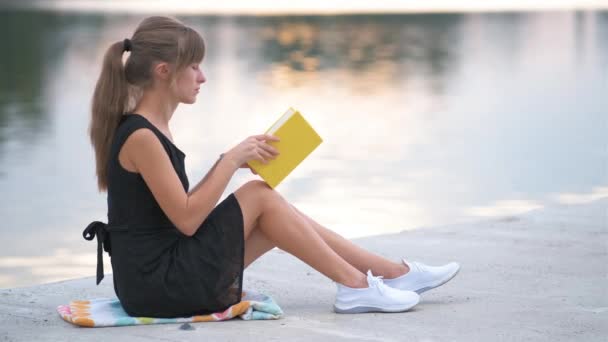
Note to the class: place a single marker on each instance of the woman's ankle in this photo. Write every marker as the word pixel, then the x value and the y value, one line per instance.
pixel 356 282
pixel 397 271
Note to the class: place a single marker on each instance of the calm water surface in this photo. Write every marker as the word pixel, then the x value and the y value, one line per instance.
pixel 426 120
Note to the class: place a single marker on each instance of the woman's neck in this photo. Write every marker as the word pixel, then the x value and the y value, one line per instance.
pixel 157 107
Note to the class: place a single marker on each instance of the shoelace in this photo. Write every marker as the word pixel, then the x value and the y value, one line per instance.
pixel 375 281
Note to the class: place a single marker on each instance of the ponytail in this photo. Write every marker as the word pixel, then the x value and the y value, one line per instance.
pixel 109 103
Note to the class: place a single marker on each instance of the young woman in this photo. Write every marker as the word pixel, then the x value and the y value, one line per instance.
pixel 174 253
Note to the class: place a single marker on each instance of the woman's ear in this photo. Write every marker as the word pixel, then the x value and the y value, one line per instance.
pixel 162 71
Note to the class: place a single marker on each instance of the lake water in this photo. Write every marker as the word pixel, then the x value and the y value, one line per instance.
pixel 426 119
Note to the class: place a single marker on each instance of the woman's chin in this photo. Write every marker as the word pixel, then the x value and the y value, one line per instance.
pixel 190 100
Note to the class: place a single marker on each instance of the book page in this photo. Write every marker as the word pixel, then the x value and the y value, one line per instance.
pixel 281 120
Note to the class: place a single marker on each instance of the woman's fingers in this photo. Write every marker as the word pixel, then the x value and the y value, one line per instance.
pixel 261 149
pixel 273 151
pixel 263 137
pixel 265 156
pixel 268 148
pixel 262 144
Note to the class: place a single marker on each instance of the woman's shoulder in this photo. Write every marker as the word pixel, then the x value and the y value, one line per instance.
pixel 130 119
pixel 133 121
pixel 128 124
pixel 139 131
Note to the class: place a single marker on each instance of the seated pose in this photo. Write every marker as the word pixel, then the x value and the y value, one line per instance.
pixel 173 252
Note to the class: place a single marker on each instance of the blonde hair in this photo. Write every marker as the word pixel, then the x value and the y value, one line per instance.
pixel 156 39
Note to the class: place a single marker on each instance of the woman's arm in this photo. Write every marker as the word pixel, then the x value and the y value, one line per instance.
pixel 206 176
pixel 244 166
pixel 187 211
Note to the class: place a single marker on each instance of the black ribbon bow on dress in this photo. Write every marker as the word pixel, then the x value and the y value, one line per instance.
pixel 103 241
pixel 102 231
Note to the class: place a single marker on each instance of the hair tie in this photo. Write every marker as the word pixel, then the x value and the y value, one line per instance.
pixel 126 44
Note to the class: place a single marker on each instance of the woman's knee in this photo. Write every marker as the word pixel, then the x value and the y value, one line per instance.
pixel 255 188
pixel 256 184
pixel 261 192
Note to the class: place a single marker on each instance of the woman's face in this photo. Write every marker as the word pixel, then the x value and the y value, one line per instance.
pixel 188 83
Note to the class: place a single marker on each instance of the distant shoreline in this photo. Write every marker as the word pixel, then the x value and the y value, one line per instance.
pixel 328 7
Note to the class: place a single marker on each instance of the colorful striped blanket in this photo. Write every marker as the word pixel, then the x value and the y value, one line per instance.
pixel 107 312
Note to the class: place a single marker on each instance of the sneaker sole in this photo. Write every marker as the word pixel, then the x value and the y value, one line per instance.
pixel 424 289
pixel 363 309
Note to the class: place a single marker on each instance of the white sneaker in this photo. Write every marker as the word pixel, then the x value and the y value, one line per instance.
pixel 422 277
pixel 377 297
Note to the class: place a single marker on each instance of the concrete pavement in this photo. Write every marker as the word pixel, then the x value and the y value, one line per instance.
pixel 540 276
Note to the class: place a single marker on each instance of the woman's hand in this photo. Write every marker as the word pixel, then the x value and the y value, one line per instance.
pixel 254 147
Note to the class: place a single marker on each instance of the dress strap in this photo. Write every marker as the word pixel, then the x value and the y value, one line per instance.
pixel 132 122
pixel 101 230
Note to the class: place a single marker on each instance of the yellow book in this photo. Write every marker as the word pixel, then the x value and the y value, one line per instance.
pixel 297 140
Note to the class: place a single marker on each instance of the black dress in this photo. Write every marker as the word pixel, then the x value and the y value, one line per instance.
pixel 157 270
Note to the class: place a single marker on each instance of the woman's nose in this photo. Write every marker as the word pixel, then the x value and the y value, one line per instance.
pixel 202 78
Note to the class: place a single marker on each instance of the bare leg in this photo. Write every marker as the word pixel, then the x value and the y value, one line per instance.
pixel 265 210
pixel 362 259
pixel 257 244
